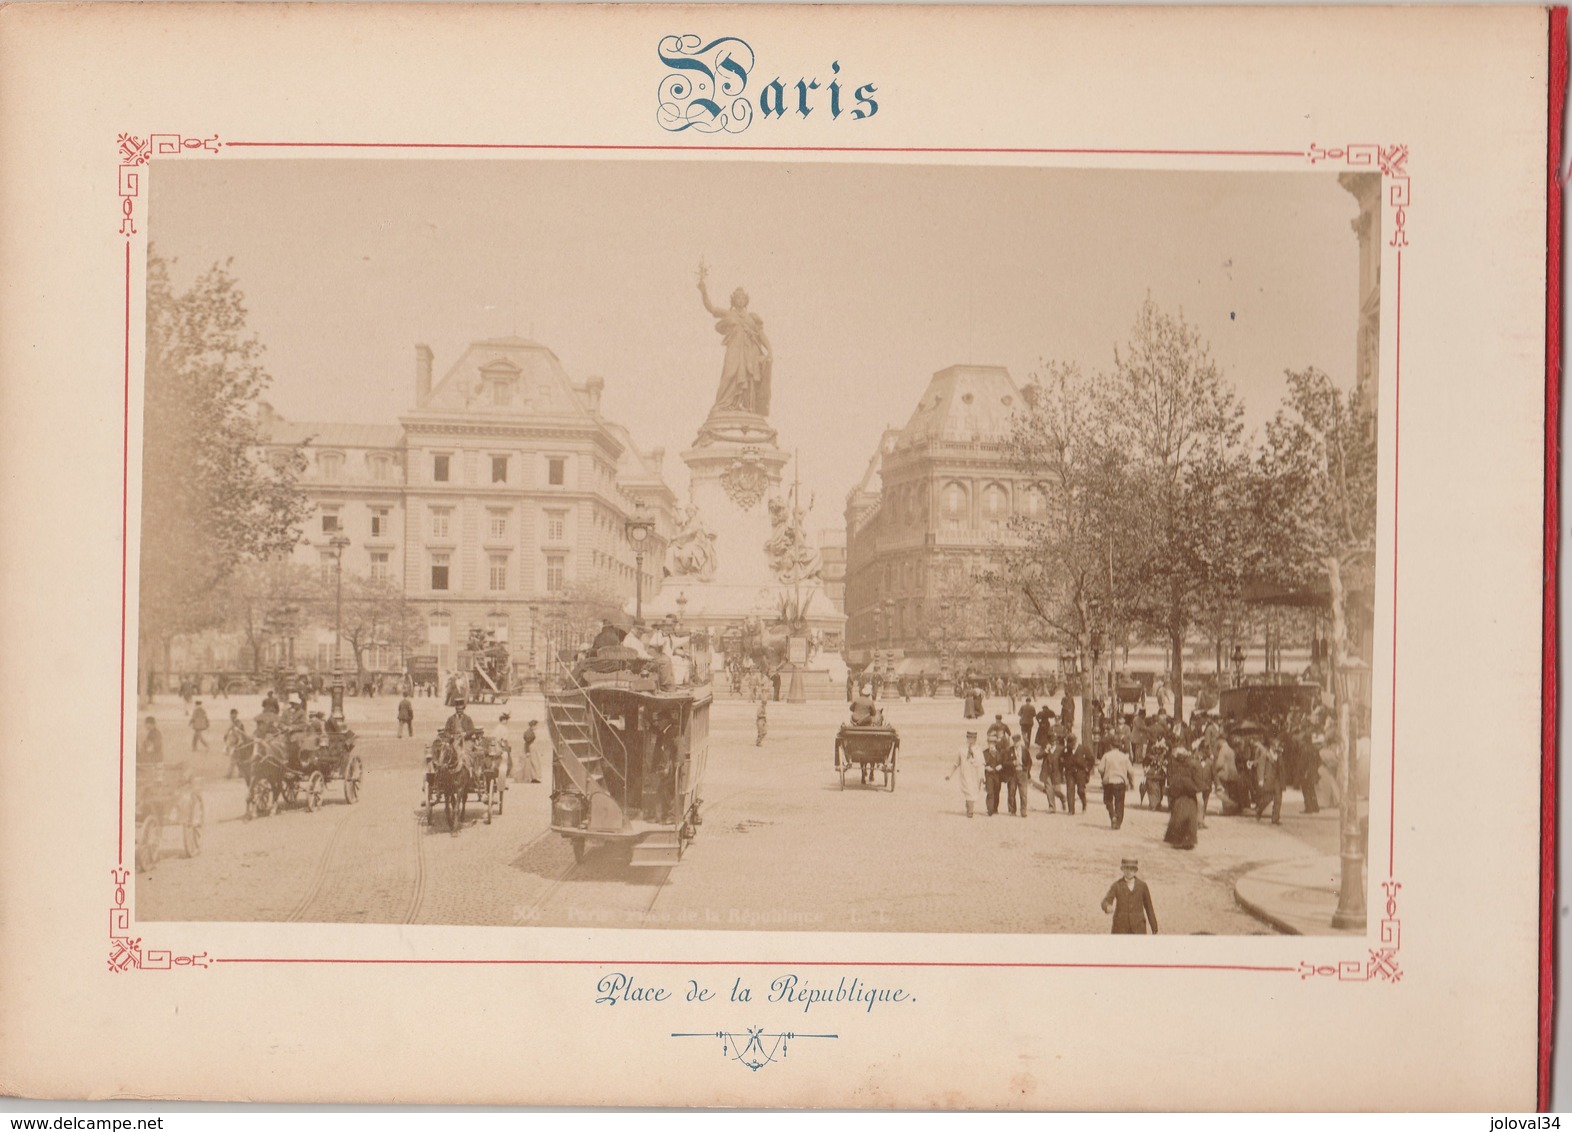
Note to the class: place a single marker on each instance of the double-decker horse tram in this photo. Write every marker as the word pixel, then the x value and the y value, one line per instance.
pixel 628 756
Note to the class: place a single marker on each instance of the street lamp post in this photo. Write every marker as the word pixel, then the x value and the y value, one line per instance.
pixel 338 543
pixel 638 526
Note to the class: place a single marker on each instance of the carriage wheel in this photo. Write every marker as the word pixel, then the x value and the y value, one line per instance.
pixel 502 793
pixel 491 793
pixel 352 780
pixel 889 778
pixel 270 797
pixel 147 838
pixel 192 833
pixel 579 849
pixel 291 791
pixel 314 792
pixel 429 800
pixel 843 778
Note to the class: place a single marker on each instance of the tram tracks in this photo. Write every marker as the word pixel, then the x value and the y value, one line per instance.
pixel 418 895
pixel 314 888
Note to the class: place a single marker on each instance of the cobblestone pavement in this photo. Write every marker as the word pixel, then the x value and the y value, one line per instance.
pixel 782 846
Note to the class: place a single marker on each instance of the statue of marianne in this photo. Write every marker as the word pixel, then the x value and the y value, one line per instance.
pixel 745 374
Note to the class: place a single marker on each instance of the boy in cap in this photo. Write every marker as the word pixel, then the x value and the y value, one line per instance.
pixel 1130 901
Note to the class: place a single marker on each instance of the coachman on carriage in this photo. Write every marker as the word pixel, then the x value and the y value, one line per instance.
pixel 463 763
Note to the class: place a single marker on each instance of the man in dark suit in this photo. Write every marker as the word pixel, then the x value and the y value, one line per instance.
pixel 1130 901
pixel 993 773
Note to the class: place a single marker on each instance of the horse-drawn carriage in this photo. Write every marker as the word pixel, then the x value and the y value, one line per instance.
pixel 464 766
pixel 166 795
pixel 871 748
pixel 294 766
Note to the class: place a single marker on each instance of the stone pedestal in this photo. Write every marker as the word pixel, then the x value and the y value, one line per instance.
pixel 736 466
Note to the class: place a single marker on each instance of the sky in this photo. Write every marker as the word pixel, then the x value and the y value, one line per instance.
pixel 869 277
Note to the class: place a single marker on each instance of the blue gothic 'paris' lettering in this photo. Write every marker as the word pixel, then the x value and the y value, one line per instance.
pixel 707 88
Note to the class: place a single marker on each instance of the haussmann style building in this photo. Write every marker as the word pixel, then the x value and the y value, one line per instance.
pixel 500 497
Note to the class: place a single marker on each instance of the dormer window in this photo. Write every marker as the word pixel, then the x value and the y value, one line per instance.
pixel 381 466
pixel 330 464
pixel 500 378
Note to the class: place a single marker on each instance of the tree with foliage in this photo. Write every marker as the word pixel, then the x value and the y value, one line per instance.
pixel 1168 410
pixel 950 624
pixel 210 500
pixel 1070 551
pixel 269 600
pixel 1315 486
pixel 375 613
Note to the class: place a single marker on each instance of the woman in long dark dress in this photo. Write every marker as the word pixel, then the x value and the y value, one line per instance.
pixel 1184 813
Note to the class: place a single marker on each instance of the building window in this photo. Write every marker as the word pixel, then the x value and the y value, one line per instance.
pixel 556 471
pixel 497 528
pixel 501 394
pixel 330 464
pixel 499 573
pixel 330 524
pixel 497 627
pixel 439 468
pixel 381 467
pixel 556 564
pixel 995 505
pixel 954 507
pixel 327 564
pixel 439 521
pixel 379 566
pixel 379 522
pixel 556 525
pixel 439 571
pixel 499 467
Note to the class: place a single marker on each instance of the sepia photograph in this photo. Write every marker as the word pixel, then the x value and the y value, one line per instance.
pixel 944 546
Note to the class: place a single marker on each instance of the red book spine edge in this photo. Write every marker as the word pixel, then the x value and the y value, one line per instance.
pixel 1547 861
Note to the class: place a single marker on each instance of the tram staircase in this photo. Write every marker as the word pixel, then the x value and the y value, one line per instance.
pixel 570 722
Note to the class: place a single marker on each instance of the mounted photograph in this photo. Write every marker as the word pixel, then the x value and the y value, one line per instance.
pixel 934 545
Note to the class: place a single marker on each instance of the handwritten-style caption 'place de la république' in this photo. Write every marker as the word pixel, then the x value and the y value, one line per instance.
pixel 619 988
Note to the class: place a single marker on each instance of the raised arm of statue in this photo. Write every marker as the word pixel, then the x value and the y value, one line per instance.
pixel 704 294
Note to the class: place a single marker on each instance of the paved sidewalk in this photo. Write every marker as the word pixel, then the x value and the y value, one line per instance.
pixel 1296 896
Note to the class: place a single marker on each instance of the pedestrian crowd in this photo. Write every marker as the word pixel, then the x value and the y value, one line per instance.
pixel 1181 764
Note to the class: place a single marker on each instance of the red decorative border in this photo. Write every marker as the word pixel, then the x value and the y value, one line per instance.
pixel 1381 963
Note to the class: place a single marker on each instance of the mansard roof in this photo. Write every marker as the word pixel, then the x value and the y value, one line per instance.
pixel 965 403
pixel 540 386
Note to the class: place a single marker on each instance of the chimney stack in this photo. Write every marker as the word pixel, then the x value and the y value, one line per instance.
pixel 422 374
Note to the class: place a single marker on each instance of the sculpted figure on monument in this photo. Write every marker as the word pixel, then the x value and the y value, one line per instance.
pixel 791 557
pixel 692 551
pixel 745 373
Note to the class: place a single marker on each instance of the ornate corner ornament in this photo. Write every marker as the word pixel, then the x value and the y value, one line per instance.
pixel 1383 962
pixel 135 152
pixel 125 950
pixel 1391 161
pixel 746 479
